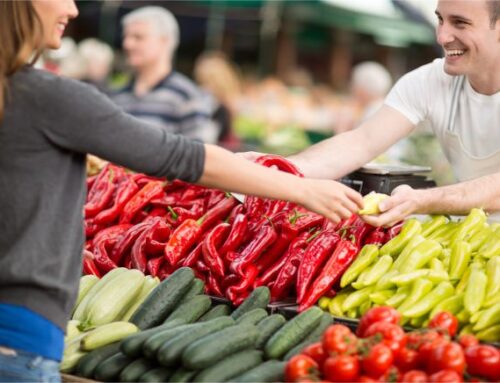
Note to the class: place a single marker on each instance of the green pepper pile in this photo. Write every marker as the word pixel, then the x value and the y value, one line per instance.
pixel 438 265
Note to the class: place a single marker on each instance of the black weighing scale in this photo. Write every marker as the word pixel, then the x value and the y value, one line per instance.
pixel 384 178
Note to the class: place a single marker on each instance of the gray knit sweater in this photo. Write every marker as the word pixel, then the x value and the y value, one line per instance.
pixel 50 123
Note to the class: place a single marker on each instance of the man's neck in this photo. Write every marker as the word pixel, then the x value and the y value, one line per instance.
pixel 149 77
pixel 487 82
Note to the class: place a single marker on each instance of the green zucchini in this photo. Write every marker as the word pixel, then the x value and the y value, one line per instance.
pixel 216 346
pixel 252 317
pixel 163 299
pixel 259 298
pixel 170 353
pixel 109 369
pixel 267 327
pixel 270 371
pixel 132 345
pixel 86 283
pixel 292 333
pixel 134 370
pixel 191 310
pixel 87 365
pixel 197 287
pixel 181 376
pixel 154 342
pixel 158 374
pixel 215 312
pixel 230 367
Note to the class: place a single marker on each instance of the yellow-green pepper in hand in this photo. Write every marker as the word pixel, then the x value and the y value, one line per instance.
pixel 370 203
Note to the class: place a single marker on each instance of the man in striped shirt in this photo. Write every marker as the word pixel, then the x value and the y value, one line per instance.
pixel 157 93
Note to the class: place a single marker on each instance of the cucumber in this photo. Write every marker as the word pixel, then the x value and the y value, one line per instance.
pixel 154 342
pixel 109 369
pixel 315 336
pixel 191 310
pixel 132 345
pixel 107 334
pixel 292 333
pixel 230 367
pixel 197 287
pixel 134 370
pixel 181 376
pixel 215 312
pixel 270 371
pixel 252 317
pixel 170 353
pixel 158 374
pixel 259 298
pixel 210 349
pixel 163 299
pixel 87 365
pixel 267 327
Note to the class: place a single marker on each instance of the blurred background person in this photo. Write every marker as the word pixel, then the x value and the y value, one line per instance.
pixel 216 74
pixel 157 93
pixel 97 58
pixel 370 83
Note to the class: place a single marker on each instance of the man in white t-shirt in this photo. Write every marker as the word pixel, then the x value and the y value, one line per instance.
pixel 458 96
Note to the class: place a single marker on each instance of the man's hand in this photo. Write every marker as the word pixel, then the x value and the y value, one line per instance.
pixel 403 201
pixel 250 156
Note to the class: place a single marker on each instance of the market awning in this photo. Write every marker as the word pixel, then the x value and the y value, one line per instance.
pixel 380 18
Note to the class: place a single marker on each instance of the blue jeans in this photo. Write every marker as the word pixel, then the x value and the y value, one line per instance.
pixel 20 366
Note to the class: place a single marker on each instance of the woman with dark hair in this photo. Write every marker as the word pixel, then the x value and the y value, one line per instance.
pixel 48 124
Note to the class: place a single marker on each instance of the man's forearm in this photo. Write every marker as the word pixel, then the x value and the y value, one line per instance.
pixel 483 192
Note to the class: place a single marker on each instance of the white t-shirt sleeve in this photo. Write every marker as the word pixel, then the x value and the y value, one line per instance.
pixel 412 94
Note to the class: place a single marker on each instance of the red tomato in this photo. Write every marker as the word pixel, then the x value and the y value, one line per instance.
pixel 392 375
pixel 341 368
pixel 407 359
pixel 392 334
pixel 415 376
pixel 338 339
pixel 484 361
pixel 446 376
pixel 425 350
pixel 449 356
pixel 467 340
pixel 367 379
pixel 416 339
pixel 378 360
pixel 445 321
pixel 301 367
pixel 377 314
pixel 316 352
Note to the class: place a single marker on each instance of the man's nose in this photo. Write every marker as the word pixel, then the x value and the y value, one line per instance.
pixel 444 35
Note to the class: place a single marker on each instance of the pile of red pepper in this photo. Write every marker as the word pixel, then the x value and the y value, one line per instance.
pixel 382 352
pixel 141 222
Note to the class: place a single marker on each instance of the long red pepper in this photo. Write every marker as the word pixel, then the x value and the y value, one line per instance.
pixel 157 240
pixel 139 252
pixel 125 191
pixel 213 286
pixel 359 233
pixel 101 254
pixel 218 212
pixel 116 231
pixel 181 240
pixel 214 198
pixel 376 237
pixel 341 258
pixel 236 235
pixel 288 272
pixel 264 238
pixel 127 240
pixel 104 189
pixel 209 249
pixel 154 265
pixel 89 266
pixel 141 199
pixel 235 291
pixel 394 230
pixel 281 163
pixel 91 228
pixel 314 257
pixel 195 254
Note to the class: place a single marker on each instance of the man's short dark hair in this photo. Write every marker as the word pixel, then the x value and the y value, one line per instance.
pixel 494 11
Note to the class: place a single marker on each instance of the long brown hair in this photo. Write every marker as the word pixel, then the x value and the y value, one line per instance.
pixel 22 38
